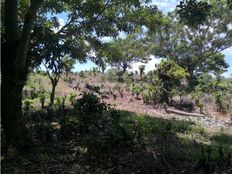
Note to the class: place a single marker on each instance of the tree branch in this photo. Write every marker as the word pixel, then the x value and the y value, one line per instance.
pixel 24 42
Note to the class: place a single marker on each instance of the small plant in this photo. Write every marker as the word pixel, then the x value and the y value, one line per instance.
pixel 81 74
pixel 34 93
pixel 119 74
pixel 119 89
pixel 39 80
pixel 128 78
pixel 72 98
pixel 146 96
pixel 42 99
pixel 58 102
pixel 27 104
pixel 63 101
pixel 137 89
pixel 114 95
pixel 94 71
pixel 141 71
pixel 102 86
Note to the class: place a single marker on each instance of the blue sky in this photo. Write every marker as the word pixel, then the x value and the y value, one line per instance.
pixel 165 6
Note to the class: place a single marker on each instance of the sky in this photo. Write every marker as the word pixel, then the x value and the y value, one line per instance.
pixel 165 6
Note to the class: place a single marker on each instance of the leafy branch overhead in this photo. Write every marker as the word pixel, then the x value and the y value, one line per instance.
pixel 192 12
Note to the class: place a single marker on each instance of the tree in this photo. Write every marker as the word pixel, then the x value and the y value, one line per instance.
pixel 194 13
pixel 170 75
pixel 122 53
pixel 137 89
pixel 197 49
pixel 22 35
pixel 141 71
pixel 54 68
pixel 16 38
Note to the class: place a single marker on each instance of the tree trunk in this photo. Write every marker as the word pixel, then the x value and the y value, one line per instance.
pixel 124 68
pixel 141 75
pixel 15 67
pixel 191 80
pixel 165 94
pixel 14 129
pixel 52 96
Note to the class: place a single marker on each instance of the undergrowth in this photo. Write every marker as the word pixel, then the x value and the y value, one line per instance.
pixel 94 138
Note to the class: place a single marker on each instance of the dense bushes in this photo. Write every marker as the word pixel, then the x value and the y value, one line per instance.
pixel 89 108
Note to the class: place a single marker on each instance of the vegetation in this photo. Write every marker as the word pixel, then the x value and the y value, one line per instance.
pixel 176 118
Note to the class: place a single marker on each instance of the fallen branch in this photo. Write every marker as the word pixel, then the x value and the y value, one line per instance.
pixel 184 113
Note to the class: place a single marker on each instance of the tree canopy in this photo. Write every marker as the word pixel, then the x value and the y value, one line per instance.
pixel 197 49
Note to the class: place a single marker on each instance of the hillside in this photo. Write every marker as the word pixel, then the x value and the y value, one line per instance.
pixel 128 102
pixel 128 137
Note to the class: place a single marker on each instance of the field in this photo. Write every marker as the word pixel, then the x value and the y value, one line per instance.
pixel 128 136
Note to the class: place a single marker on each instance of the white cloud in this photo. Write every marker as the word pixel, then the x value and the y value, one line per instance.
pixel 166 5
pixel 61 22
pixel 150 65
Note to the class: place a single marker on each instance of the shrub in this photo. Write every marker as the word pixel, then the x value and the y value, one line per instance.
pixel 58 102
pixel 119 89
pixel 146 97
pixel 114 95
pixel 89 108
pixel 81 74
pixel 128 78
pixel 27 104
pixel 137 89
pixel 42 98
pixel 72 98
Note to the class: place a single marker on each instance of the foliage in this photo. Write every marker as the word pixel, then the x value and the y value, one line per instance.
pixel 198 50
pixel 220 89
pixel 118 88
pixel 30 35
pixel 128 77
pixel 137 89
pixel 54 68
pixel 89 108
pixel 171 75
pixel 42 98
pixel 72 98
pixel 152 93
pixel 100 58
pixel 68 64
pixel 122 53
pixel 27 104
pixel 81 74
pixel 114 75
pixel 193 13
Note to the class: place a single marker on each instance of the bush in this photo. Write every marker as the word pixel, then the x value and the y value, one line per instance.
pixel 89 108
pixel 72 98
pixel 118 88
pixel 58 102
pixel 81 74
pixel 137 89
pixel 27 104
pixel 128 78
pixel 42 98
